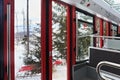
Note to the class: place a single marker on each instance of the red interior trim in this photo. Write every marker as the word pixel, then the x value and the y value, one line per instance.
pixel 50 39
pixel 43 39
pixel 73 35
pixel 101 32
pixel 46 37
pixel 12 41
pixel 95 28
pixel 110 29
pixel 107 27
pixel 119 30
pixel 68 44
pixel 71 40
pixel 5 40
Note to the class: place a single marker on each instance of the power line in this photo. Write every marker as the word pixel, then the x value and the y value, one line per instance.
pixel 27 27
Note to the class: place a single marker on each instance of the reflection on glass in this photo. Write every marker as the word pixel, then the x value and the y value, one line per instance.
pixel 59 69
pixel 83 40
pixel 27 63
pixel 98 32
pixel 114 30
pixel 104 28
pixel 85 17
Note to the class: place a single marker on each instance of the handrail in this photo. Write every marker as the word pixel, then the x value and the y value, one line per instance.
pixel 8 41
pixel 97 36
pixel 105 63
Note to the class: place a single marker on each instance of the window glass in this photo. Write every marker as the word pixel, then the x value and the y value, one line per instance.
pixel 59 40
pixel 97 31
pixel 83 40
pixel 27 40
pixel 85 17
pixel 104 28
pixel 114 30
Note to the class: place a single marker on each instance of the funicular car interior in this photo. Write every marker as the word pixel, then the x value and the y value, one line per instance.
pixel 93 26
pixel 106 56
pixel 104 60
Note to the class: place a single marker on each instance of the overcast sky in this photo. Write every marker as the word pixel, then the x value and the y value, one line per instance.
pixel 34 10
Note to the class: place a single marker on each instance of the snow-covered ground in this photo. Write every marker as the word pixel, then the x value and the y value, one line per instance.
pixel 59 73
pixel 19 51
pixel 37 77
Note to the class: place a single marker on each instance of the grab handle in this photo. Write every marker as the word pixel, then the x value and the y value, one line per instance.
pixel 105 63
pixel 8 41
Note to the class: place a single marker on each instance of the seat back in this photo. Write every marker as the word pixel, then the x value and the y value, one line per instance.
pixel 98 54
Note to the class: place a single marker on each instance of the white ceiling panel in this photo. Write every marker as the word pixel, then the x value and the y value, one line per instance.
pixel 97 7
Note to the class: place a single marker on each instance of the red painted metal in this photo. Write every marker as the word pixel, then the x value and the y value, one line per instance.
pixel 46 37
pixel 98 31
pixel 73 35
pixel 12 41
pixel 95 31
pixel 101 32
pixel 107 27
pixel 118 29
pixel 43 39
pixel 71 40
pixel 110 27
pixel 50 39
pixel 5 40
pixel 68 44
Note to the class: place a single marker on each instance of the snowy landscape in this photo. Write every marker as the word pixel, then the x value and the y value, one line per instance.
pixel 59 72
pixel 22 71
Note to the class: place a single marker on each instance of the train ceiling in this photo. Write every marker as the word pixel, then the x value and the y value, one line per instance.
pixel 114 4
pixel 101 8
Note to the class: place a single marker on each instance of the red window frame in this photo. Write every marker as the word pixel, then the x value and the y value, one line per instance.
pixel 71 38
pixel 11 2
pixel 101 30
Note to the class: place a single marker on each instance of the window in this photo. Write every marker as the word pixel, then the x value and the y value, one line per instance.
pixel 104 28
pixel 84 30
pixel 27 57
pixel 113 30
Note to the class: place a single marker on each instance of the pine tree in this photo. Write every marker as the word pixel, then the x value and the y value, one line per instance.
pixel 59 40
pixel 34 57
pixel 59 35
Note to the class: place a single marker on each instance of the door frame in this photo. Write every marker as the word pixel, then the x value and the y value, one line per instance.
pixel 46 40
pixel 8 53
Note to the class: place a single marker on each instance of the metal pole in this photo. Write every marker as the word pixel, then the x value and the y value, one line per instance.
pixel 8 41
pixel 24 22
pixel 77 35
pixel 27 27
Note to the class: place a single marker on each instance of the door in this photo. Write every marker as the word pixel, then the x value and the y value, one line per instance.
pixel 27 40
